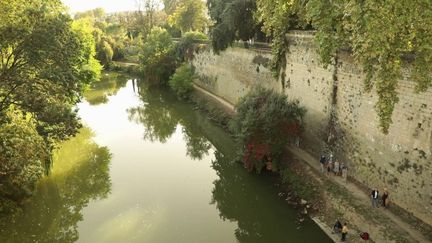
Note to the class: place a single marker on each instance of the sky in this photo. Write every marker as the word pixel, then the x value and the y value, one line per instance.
pixel 108 5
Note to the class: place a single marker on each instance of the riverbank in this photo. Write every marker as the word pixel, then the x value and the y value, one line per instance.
pixel 346 201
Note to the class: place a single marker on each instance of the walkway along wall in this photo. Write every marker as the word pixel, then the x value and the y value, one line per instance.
pixel 341 116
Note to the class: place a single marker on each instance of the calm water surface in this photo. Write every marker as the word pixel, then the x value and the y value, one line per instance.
pixel 149 168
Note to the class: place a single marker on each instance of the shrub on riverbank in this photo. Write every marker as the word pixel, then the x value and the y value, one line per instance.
pixel 182 81
pixel 157 56
pixel 266 121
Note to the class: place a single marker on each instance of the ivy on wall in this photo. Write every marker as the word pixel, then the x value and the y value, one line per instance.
pixel 382 36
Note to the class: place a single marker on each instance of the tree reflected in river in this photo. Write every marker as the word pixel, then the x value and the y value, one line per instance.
pixel 160 114
pixel 245 198
pixel 109 84
pixel 53 213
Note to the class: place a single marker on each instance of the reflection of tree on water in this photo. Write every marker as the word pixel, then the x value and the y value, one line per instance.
pixel 162 112
pixel 248 199
pixel 109 85
pixel 81 174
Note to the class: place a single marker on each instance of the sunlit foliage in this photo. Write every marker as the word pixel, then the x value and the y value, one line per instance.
pixel 157 56
pixel 46 62
pixel 189 15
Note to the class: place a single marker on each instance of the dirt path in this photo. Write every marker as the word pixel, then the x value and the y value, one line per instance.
pixel 384 224
pixel 360 197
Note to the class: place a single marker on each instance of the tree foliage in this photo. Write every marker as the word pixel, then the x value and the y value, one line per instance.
pixel 278 17
pixel 182 81
pixel 189 15
pixel 383 36
pixel 232 20
pixel 46 62
pixel 157 58
pixel 264 124
pixel 188 44
pixel 23 154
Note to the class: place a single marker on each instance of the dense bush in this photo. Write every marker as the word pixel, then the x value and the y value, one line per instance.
pixel 264 124
pixel 182 81
pixel 157 58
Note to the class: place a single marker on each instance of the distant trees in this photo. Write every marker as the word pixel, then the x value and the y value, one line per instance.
pixel 189 15
pixel 45 63
pixel 232 20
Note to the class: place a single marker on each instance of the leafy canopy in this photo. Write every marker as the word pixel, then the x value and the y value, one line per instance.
pixel 189 15
pixel 157 58
pixel 232 20
pixel 44 64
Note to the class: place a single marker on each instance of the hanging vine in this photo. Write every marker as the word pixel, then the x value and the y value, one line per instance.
pixel 380 35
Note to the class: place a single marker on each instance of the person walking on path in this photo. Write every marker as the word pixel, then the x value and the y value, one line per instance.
pixel 385 198
pixel 322 163
pixel 375 196
pixel 329 167
pixel 344 169
pixel 344 232
pixel 336 168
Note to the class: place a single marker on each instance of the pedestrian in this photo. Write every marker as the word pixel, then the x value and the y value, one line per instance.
pixel 385 198
pixel 374 197
pixel 336 168
pixel 322 163
pixel 329 167
pixel 344 172
pixel 337 228
pixel 344 232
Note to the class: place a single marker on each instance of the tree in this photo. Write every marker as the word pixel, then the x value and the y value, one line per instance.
pixel 232 20
pixel 23 153
pixel 45 64
pixel 264 124
pixel 189 15
pixel 157 58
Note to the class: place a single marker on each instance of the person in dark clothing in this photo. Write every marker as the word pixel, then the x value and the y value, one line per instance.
pixel 375 198
pixel 337 228
pixel 385 198
pixel 322 162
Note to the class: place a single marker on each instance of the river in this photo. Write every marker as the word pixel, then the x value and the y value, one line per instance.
pixel 147 167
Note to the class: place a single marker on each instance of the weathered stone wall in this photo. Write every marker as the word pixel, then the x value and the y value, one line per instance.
pixel 401 160
pixel 232 73
pixel 341 116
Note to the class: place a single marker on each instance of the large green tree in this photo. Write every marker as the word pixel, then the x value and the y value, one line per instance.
pixel 45 64
pixel 157 56
pixel 189 15
pixel 232 20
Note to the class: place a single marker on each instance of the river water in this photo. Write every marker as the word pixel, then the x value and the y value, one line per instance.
pixel 147 167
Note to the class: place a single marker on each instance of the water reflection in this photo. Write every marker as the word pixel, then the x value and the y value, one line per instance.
pixel 80 174
pixel 248 199
pixel 160 114
pixel 109 84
